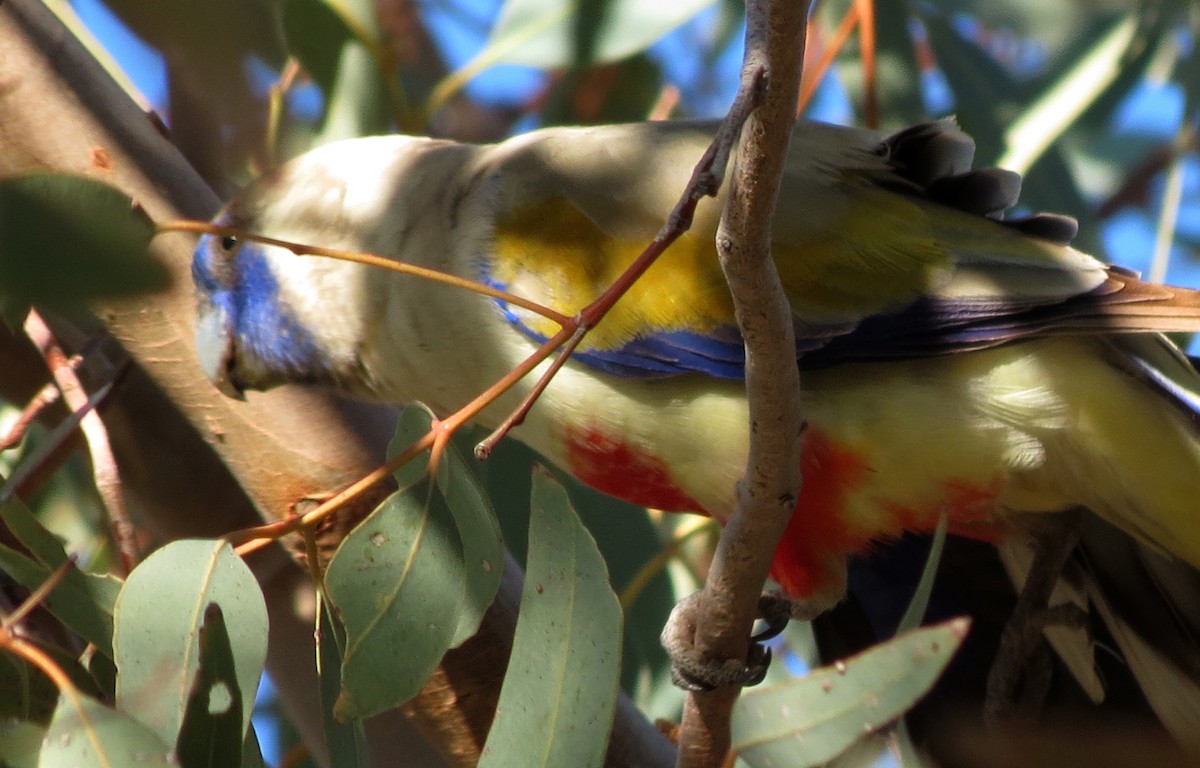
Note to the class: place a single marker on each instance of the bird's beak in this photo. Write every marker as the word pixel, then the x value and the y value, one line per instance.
pixel 215 348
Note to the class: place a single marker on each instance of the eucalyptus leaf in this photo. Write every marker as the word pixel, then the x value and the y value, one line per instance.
pixel 559 694
pixel 43 545
pixel 396 582
pixel 339 46
pixel 158 635
pixel 476 522
pixel 347 742
pixel 67 239
pixel 84 602
pixel 627 540
pixel 86 734
pixel 543 33
pixel 813 719
pixel 28 694
pixel 212 732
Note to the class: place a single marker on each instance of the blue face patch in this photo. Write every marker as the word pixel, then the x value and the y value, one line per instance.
pixel 242 285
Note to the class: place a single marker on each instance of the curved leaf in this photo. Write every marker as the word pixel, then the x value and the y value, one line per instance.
pixel 160 615
pixel 84 734
pixel 414 579
pixel 556 705
pixel 542 33
pixel 813 719
pixel 68 239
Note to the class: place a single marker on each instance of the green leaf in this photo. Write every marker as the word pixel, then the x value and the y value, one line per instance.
pixel 28 694
pixel 556 705
pixel 483 546
pixel 541 33
pixel 212 732
pixel 43 545
pixel 347 742
pixel 627 540
pixel 159 616
pixel 20 742
pixel 396 582
pixel 813 719
pixel 68 239
pixel 338 46
pixel 84 733
pixel 915 611
pixel 546 34
pixel 82 601
pixel 475 520
pixel 1072 92
pixel 414 579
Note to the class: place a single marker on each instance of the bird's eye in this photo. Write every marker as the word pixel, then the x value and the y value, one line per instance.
pixel 229 242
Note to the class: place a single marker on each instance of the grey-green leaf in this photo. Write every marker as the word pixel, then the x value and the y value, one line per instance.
pixel 67 239
pixel 347 742
pixel 556 705
pixel 396 582
pixel 483 546
pixel 82 601
pixel 475 520
pixel 813 719
pixel 212 732
pixel 86 734
pixel 159 616
pixel 541 33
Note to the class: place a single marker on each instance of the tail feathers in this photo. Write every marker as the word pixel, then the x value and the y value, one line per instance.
pixel 1162 366
pixel 1122 304
pixel 1127 303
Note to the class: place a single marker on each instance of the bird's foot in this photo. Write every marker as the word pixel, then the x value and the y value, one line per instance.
pixel 695 672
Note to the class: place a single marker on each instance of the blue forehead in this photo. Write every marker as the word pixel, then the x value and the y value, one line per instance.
pixel 260 321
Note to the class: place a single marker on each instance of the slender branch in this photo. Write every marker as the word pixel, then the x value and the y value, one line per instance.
pixel 37 596
pixel 370 259
pixel 766 495
pixel 104 463
pixel 45 397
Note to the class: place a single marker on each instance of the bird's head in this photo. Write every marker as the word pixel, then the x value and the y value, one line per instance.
pixel 249 333
pixel 266 316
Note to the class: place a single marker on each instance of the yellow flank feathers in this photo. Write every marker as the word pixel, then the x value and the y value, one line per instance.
pixel 550 252
pixel 883 255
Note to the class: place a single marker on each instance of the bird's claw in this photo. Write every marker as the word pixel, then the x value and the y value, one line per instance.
pixel 696 673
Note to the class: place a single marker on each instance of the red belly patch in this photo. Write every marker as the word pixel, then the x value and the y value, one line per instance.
pixel 831 473
pixel 618 469
pixel 817 537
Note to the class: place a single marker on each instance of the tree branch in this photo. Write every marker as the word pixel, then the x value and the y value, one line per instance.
pixel 766 495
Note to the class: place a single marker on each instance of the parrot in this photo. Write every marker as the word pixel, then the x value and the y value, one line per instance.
pixel 955 359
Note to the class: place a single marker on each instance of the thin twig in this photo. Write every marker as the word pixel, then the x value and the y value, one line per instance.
pixel 33 467
pixel 104 463
pixel 766 495
pixel 46 397
pixel 37 596
pixel 370 259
